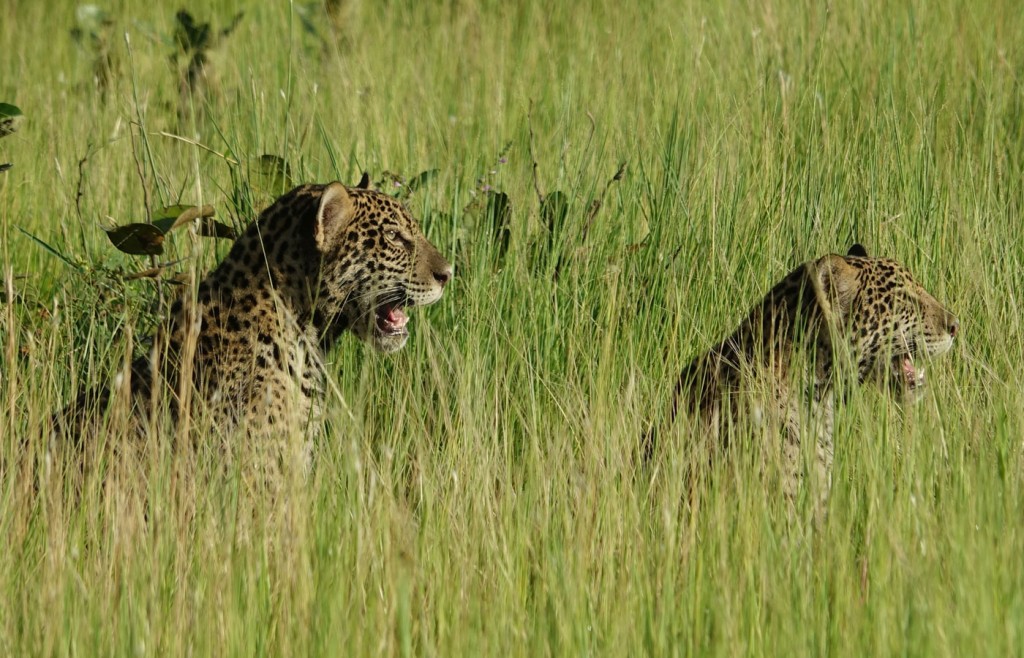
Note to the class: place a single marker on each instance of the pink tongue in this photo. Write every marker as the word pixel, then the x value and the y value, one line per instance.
pixel 396 318
pixel 914 377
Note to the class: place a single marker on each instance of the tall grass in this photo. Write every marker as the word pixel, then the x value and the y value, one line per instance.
pixel 479 493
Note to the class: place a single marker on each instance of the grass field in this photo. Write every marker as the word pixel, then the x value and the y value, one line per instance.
pixel 478 493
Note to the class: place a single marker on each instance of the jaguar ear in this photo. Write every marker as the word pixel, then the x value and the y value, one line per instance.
pixel 835 285
pixel 334 215
pixel 364 182
pixel 858 250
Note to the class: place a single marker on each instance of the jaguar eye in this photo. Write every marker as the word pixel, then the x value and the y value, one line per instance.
pixel 395 237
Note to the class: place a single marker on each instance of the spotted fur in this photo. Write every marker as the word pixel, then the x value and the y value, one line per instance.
pixel 833 317
pixel 320 261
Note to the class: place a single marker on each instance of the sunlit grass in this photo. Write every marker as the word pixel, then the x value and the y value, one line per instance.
pixel 480 492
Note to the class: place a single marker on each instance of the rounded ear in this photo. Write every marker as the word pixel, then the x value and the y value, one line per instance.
pixel 835 284
pixel 857 250
pixel 334 215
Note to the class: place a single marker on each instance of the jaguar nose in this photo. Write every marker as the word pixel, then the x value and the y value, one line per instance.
pixel 951 323
pixel 444 275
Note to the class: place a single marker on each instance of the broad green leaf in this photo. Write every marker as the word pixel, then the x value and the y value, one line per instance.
pixel 190 34
pixel 420 180
pixel 172 217
pixel 166 219
pixel 499 211
pixel 11 119
pixel 235 20
pixel 147 239
pixel 553 211
pixel 137 239
pixel 271 174
pixel 211 228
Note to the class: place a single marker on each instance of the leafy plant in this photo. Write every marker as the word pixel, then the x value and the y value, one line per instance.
pixel 147 239
pixel 191 59
pixel 402 187
pixel 101 294
pixel 271 175
pixel 93 32
pixel 498 214
pixel 325 21
pixel 11 119
pixel 256 183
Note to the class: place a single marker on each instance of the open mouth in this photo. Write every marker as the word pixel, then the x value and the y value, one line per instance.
pixel 908 374
pixel 391 320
